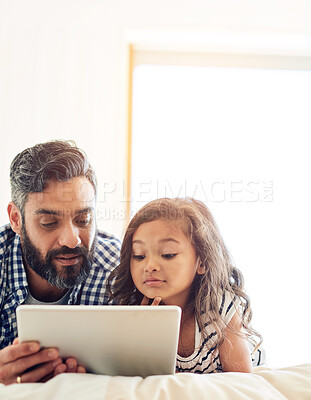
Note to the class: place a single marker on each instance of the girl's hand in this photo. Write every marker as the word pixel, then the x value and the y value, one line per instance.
pixel 145 301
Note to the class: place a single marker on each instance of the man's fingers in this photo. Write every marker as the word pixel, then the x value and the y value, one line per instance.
pixel 60 369
pixel 81 370
pixel 47 377
pixel 16 351
pixel 10 372
pixel 72 364
pixel 39 373
pixel 19 366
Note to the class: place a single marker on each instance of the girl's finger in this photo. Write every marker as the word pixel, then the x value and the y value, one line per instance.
pixel 156 301
pixel 145 301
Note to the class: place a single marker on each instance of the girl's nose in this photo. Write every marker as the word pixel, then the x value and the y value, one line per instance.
pixel 152 266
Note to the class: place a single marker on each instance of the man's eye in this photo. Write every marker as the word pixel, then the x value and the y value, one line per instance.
pixel 169 256
pixel 138 257
pixel 48 225
pixel 83 222
pixel 83 219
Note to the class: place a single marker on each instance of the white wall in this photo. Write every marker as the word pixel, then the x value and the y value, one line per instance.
pixel 63 70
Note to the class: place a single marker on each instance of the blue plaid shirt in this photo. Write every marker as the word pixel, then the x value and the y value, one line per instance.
pixel 14 286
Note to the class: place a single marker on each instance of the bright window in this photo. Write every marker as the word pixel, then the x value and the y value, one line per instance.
pixel 237 138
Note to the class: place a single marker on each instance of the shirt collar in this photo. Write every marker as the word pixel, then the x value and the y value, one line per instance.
pixel 16 270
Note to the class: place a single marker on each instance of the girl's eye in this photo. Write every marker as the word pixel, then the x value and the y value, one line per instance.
pixel 138 257
pixel 169 256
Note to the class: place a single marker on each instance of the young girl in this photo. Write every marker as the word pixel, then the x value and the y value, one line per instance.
pixel 173 254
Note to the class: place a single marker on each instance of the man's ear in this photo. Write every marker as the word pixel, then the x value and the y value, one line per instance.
pixel 200 267
pixel 15 217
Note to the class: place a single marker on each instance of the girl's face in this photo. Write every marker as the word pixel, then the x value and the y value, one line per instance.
pixel 164 262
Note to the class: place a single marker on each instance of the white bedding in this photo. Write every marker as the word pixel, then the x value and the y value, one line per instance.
pixel 293 383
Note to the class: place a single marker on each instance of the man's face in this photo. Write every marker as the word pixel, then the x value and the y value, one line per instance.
pixel 58 232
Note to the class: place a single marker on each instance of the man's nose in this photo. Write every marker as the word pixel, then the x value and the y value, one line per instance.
pixel 70 236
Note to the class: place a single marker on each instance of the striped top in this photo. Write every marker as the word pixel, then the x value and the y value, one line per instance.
pixel 205 359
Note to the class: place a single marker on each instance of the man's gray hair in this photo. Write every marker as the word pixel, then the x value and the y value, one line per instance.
pixel 55 160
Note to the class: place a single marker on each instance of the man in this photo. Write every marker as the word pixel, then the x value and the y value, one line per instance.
pixel 51 253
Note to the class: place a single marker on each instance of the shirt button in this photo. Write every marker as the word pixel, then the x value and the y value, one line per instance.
pixel 19 292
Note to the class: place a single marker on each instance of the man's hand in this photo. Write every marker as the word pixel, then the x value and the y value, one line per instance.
pixel 145 301
pixel 70 365
pixel 27 363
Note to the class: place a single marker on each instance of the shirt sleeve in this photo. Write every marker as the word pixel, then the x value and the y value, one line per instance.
pixel 229 304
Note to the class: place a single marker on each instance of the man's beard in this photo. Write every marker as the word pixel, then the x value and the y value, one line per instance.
pixel 65 277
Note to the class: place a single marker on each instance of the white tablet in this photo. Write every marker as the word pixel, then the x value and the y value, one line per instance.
pixel 110 340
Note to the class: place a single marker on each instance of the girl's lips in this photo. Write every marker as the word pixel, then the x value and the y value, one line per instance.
pixel 153 282
pixel 68 260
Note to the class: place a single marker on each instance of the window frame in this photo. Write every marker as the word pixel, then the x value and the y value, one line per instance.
pixel 218 50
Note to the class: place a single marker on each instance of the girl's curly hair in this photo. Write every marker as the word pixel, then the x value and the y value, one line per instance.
pixel 207 289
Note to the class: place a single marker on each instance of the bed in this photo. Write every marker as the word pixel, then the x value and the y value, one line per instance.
pixel 292 383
